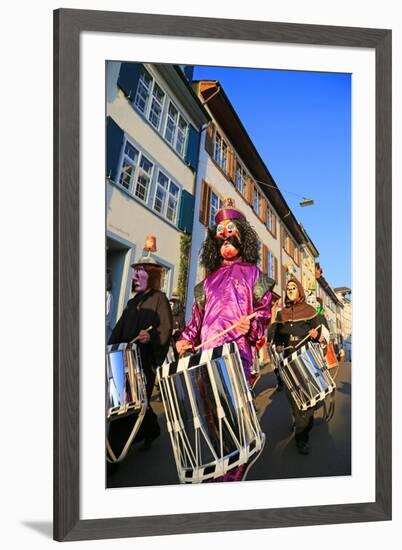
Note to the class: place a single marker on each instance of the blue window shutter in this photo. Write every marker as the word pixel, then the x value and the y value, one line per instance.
pixel 186 212
pixel 114 143
pixel 193 145
pixel 128 78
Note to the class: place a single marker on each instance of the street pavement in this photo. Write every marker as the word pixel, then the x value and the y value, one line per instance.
pixel 330 443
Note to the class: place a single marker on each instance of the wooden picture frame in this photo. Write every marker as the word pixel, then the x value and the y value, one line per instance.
pixel 68 24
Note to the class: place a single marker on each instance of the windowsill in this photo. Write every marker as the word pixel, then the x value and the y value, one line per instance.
pixel 142 203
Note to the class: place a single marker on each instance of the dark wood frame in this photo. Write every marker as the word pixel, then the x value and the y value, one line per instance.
pixel 68 24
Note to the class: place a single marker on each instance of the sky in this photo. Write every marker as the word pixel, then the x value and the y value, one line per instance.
pixel 300 123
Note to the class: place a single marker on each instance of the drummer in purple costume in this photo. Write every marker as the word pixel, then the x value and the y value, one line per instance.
pixel 233 289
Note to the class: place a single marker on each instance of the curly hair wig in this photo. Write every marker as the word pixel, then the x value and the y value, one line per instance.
pixel 210 252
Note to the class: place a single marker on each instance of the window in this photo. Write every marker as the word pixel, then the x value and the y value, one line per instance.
pixel 130 160
pixel 271 265
pixel 143 91
pixel 257 202
pixel 221 152
pixel 143 179
pixel 240 178
pixel 271 221
pixel 176 129
pixel 155 113
pixel 214 205
pixel 289 247
pixel 166 200
pixel 160 192
pixel 181 136
pixel 150 99
pixel 171 123
pixel 173 201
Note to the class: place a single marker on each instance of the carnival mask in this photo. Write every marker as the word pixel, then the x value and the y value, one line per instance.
pixel 140 279
pixel 292 291
pixel 228 239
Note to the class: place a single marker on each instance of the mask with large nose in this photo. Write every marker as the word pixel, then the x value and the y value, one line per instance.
pixel 292 292
pixel 228 240
pixel 140 279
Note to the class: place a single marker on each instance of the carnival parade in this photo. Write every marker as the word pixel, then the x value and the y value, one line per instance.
pixel 205 374
pixel 228 346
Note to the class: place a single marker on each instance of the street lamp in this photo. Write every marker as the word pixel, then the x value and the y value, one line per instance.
pixel 306 202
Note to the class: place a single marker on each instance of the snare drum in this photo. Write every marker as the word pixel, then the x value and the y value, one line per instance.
pixel 126 395
pixel 210 413
pixel 306 376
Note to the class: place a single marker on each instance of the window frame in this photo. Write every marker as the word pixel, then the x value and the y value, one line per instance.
pixel 210 217
pixel 148 188
pixel 135 165
pixel 222 165
pixel 257 194
pixel 153 184
pixel 137 93
pixel 162 105
pixel 164 114
pixel 270 215
pixel 242 170
pixel 270 253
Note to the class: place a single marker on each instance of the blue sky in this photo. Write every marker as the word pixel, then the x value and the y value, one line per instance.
pixel 300 123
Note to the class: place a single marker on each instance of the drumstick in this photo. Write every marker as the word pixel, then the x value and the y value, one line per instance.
pixel 251 316
pixel 306 337
pixel 136 338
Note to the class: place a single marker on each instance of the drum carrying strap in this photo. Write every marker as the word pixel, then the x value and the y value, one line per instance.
pixel 111 455
pixel 329 408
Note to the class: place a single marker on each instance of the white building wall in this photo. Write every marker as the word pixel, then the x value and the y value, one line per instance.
pixel 127 216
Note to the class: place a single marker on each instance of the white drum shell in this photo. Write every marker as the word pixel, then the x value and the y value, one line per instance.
pixel 210 413
pixel 306 376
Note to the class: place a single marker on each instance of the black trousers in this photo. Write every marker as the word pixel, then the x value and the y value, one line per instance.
pixel 303 421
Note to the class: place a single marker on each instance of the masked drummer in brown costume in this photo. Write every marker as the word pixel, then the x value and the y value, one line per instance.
pixel 293 323
pixel 148 308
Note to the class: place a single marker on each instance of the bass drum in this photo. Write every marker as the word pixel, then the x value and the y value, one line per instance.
pixel 210 413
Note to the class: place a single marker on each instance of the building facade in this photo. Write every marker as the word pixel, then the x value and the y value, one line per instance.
pixel 230 166
pixel 153 126
pixel 331 304
pixel 309 255
pixel 345 296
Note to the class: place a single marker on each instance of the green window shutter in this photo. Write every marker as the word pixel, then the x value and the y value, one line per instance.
pixel 186 212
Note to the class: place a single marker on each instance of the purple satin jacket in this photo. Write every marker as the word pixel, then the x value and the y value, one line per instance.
pixel 232 291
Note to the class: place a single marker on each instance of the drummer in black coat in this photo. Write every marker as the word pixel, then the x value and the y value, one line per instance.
pixel 292 324
pixel 148 308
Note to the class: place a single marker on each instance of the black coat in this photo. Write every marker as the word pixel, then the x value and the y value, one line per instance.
pixel 290 333
pixel 146 309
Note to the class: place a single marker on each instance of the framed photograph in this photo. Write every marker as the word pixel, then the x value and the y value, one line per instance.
pixel 205 170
